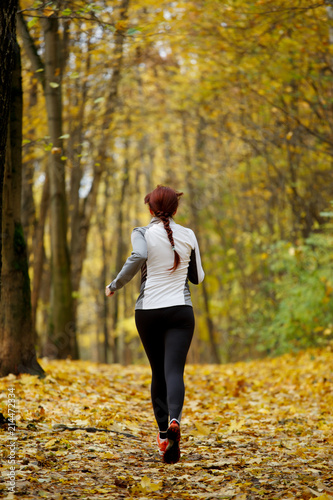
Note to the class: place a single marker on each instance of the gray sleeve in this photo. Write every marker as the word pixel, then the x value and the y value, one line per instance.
pixel 134 262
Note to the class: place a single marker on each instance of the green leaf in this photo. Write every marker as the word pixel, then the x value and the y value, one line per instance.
pixel 65 136
pixel 99 99
pixel 73 75
pixel 26 141
pixel 67 12
pixel 40 70
pixel 32 22
pixel 132 31
pixel 54 85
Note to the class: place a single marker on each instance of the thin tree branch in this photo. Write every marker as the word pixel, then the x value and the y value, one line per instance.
pixel 30 47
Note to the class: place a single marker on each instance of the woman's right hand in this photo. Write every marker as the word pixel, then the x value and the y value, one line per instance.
pixel 108 292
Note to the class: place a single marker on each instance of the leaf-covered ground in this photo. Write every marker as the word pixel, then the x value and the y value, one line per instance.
pixel 253 430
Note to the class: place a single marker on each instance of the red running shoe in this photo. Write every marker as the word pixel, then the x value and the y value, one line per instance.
pixel 162 445
pixel 172 452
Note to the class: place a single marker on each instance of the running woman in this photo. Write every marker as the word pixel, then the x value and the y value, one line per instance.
pixel 168 256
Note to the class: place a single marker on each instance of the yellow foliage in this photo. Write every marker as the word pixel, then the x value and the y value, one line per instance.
pixel 245 427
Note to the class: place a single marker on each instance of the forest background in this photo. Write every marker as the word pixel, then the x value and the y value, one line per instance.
pixel 230 102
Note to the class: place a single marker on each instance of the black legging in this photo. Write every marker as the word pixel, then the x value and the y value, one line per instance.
pixel 166 336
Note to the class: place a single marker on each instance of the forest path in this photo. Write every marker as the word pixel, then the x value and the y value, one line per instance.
pixel 261 429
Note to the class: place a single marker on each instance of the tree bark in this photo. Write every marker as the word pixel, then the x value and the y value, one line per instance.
pixel 39 250
pixel 7 37
pixel 103 301
pixel 62 340
pixel 75 147
pixel 17 353
pixel 118 341
pixel 28 202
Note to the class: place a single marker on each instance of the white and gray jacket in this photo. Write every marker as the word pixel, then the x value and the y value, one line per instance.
pixel 153 254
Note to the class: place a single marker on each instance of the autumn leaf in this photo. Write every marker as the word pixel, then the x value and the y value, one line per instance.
pixel 236 425
pixel 48 12
pixel 322 497
pixel 147 484
pixel 201 429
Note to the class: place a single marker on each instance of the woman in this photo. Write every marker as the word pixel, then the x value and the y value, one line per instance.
pixel 168 255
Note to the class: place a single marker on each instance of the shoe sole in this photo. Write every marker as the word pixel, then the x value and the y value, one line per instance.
pixel 172 453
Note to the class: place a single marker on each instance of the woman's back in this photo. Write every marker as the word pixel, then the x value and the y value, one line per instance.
pixel 161 287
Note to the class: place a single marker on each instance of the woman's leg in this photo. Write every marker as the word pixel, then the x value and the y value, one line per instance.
pixel 150 326
pixel 166 335
pixel 178 339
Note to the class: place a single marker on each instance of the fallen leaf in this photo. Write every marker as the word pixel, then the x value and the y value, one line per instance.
pixel 148 485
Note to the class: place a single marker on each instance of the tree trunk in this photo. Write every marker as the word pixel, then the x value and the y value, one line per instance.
pixel 117 340
pixel 28 203
pixel 16 334
pixel 39 251
pixel 75 147
pixel 62 337
pixel 103 301
pixel 7 37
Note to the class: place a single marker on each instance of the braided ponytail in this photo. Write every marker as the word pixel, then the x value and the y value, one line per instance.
pixel 163 202
pixel 166 223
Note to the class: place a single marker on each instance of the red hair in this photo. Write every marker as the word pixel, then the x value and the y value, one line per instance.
pixel 163 202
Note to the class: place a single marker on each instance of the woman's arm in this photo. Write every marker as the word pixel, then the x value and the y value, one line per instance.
pixel 134 262
pixel 195 272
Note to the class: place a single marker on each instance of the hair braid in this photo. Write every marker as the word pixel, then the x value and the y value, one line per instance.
pixel 163 202
pixel 166 223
